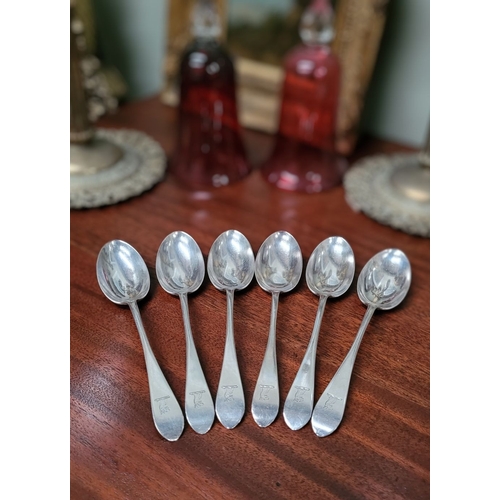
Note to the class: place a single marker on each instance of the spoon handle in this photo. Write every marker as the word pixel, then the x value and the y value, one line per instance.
pixel 167 414
pixel 266 397
pixel 199 405
pixel 230 400
pixel 330 407
pixel 299 402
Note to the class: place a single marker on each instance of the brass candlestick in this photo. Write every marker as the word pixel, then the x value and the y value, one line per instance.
pixel 413 181
pixel 106 165
pixel 88 153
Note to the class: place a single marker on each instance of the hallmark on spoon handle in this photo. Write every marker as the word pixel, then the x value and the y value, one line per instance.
pixel 230 399
pixel 266 397
pixel 330 407
pixel 167 414
pixel 199 406
pixel 300 400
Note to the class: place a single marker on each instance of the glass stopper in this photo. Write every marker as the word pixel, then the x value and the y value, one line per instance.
pixel 316 23
pixel 205 20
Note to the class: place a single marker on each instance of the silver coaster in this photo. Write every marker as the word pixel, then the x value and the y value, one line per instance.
pixel 370 188
pixel 141 166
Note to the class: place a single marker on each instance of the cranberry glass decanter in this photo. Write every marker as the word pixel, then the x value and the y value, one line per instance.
pixel 209 150
pixel 304 157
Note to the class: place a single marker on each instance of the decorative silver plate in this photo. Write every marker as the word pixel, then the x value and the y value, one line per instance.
pixel 141 166
pixel 370 187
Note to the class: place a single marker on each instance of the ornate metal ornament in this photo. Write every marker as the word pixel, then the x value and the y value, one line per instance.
pixel 106 166
pixel 393 190
pixel 141 165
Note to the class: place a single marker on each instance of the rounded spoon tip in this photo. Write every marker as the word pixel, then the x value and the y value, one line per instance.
pixel 322 432
pixel 229 424
pixel 229 411
pixel 264 417
pixel 171 429
pixel 201 430
pixel 296 420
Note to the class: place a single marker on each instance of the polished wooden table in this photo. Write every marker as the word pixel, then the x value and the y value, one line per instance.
pixel 380 450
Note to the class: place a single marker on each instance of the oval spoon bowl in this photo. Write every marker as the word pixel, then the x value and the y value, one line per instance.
pixel 385 279
pixel 330 270
pixel 278 265
pixel 179 264
pixel 122 273
pixel 231 263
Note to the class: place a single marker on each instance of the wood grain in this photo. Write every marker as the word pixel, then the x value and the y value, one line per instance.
pixel 381 449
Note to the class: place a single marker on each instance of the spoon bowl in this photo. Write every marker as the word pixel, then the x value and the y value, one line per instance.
pixel 123 277
pixel 278 267
pixel 179 264
pixel 329 273
pixel 180 270
pixel 122 273
pixel 385 279
pixel 383 283
pixel 330 270
pixel 231 263
pixel 230 266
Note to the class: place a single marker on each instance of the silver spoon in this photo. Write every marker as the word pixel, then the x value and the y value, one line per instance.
pixel 230 267
pixel 180 270
pixel 278 267
pixel 382 284
pixel 329 273
pixel 123 277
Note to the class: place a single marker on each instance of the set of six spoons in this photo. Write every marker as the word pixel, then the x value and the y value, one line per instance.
pixel 124 279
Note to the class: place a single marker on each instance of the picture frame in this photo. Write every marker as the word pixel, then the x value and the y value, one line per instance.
pixel 358 25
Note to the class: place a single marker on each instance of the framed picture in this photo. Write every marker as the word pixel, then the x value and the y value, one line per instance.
pixel 258 33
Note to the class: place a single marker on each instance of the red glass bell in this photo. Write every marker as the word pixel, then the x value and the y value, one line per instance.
pixel 304 157
pixel 209 148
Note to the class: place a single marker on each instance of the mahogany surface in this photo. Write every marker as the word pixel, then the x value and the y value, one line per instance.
pixel 382 447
